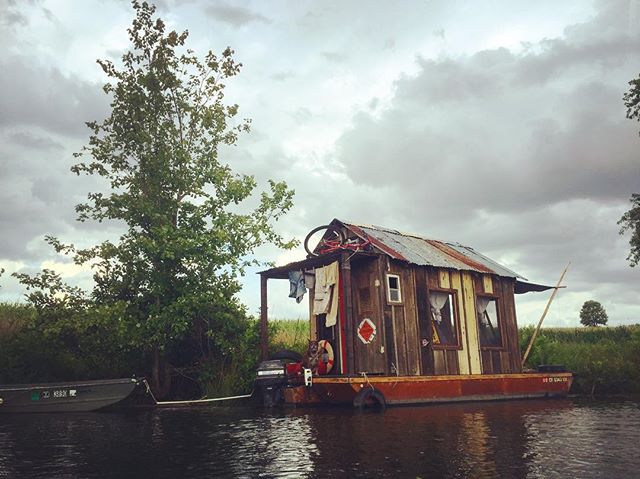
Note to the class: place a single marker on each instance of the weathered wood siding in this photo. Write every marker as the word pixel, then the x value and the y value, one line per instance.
pixel 470 357
pixel 402 322
pixel 425 336
pixel 446 360
pixel 367 288
pixel 469 319
pixel 505 359
pixel 404 328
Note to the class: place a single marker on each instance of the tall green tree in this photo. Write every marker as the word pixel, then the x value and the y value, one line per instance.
pixel 189 232
pixel 630 221
pixel 593 314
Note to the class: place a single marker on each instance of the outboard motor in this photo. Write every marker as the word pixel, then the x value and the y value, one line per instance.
pixel 271 378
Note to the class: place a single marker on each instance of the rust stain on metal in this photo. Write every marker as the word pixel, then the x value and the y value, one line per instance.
pixel 459 256
pixel 375 242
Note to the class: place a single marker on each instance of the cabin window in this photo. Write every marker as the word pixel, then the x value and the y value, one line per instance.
pixel 444 318
pixel 393 289
pixel 488 322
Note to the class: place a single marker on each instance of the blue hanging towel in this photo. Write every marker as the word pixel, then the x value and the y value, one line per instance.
pixel 296 285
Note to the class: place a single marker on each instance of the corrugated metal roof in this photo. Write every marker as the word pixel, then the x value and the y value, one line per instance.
pixel 426 252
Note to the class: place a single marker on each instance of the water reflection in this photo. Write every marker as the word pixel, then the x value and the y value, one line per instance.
pixel 487 440
pixel 603 440
pixel 273 446
pixel 514 439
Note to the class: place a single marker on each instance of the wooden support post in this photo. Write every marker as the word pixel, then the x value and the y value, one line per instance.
pixel 386 325
pixel 546 309
pixel 264 331
pixel 347 298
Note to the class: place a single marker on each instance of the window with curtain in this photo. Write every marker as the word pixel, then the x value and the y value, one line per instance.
pixel 444 318
pixel 488 322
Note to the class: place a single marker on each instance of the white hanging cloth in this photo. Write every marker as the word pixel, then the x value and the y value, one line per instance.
pixel 325 299
pixel 437 302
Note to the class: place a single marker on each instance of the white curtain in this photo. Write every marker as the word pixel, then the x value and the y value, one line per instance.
pixel 437 302
pixel 482 304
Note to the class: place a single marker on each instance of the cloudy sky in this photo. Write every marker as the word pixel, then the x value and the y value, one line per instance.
pixel 496 124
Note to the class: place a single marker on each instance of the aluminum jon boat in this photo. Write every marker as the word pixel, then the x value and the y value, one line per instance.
pixel 69 396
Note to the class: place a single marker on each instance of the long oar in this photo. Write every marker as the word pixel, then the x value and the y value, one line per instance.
pixel 535 333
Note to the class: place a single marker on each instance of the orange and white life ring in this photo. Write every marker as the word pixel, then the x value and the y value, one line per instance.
pixel 326 345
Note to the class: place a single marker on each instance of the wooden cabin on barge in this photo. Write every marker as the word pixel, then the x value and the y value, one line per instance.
pixel 410 319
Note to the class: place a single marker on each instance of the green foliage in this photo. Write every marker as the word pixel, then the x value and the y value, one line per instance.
pixel 604 360
pixel 33 351
pixel 219 362
pixel 593 314
pixel 189 233
pixel 13 317
pixel 632 99
pixel 630 221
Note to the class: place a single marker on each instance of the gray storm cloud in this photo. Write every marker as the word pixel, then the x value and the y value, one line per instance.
pixel 522 151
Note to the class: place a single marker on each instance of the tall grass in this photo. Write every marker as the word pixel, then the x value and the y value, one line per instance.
pixel 604 360
pixel 289 334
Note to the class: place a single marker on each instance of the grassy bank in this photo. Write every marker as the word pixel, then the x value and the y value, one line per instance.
pixel 289 334
pixel 606 361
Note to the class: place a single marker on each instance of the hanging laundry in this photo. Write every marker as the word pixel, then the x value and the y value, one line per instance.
pixel 310 279
pixel 296 285
pixel 326 293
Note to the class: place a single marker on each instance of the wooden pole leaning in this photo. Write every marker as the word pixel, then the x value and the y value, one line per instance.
pixel 544 314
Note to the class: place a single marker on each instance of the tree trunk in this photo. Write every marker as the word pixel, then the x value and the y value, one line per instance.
pixel 160 375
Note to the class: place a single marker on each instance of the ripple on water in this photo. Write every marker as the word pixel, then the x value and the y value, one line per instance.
pixel 510 439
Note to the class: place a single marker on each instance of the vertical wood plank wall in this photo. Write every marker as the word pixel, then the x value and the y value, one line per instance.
pixel 511 357
pixel 503 360
pixel 446 361
pixel 401 327
pixel 427 361
pixel 403 343
pixel 366 287
pixel 470 318
pixel 463 354
pixel 347 300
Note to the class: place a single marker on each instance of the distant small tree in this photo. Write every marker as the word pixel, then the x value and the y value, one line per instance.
pixel 630 221
pixel 593 314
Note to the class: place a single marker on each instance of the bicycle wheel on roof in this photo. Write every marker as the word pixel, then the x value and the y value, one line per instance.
pixel 323 239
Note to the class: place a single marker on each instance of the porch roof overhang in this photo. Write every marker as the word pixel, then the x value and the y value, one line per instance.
pixel 282 272
pixel 522 287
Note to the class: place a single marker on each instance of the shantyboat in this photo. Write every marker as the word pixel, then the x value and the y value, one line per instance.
pixel 399 319
pixel 71 396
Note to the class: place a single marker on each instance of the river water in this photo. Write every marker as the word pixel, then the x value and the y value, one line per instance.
pixel 546 438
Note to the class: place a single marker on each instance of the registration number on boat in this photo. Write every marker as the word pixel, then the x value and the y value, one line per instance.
pixel 554 380
pixel 55 394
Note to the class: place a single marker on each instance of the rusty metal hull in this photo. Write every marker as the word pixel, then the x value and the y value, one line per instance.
pixel 432 389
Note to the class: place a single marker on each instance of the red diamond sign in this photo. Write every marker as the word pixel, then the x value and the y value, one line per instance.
pixel 366 331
